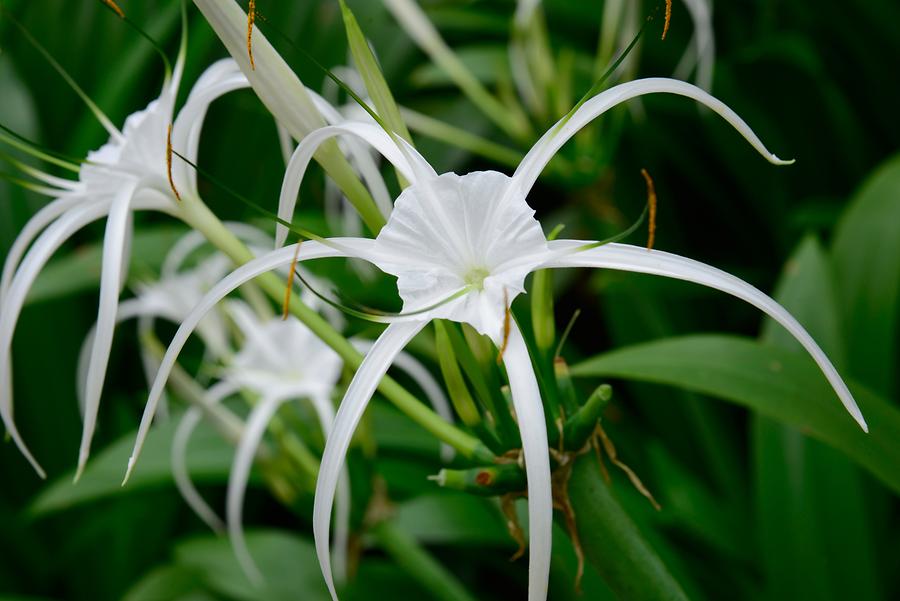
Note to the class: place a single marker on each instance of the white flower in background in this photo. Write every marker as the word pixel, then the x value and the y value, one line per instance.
pixel 461 247
pixel 279 361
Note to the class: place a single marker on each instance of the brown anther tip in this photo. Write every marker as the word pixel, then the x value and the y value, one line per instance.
pixel 169 163
pixel 286 306
pixel 651 204
pixel 114 7
pixel 668 19
pixel 251 17
pixel 506 327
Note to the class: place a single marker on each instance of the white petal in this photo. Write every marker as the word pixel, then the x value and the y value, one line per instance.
pixel 272 79
pixel 241 275
pixel 47 215
pixel 530 414
pixel 640 260
pixel 256 426
pixel 180 472
pixel 110 284
pixel 407 161
pixel 545 148
pixel 351 410
pixel 423 378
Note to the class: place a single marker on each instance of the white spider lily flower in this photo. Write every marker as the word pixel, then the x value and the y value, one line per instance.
pixel 280 360
pixel 468 242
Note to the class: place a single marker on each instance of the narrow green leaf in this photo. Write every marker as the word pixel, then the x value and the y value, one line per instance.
pixel 368 68
pixel 780 384
pixel 456 385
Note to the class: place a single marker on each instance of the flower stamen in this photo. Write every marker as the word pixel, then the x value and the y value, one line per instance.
pixel 651 205
pixel 251 17
pixel 506 327
pixel 285 308
pixel 115 8
pixel 667 19
pixel 169 163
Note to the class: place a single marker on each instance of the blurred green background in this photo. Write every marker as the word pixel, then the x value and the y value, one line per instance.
pixel 751 509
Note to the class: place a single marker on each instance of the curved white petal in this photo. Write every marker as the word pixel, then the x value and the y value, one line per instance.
pixel 256 426
pixel 545 148
pixel 110 284
pixel 406 160
pixel 640 260
pixel 128 309
pixel 241 275
pixel 351 410
pixel 526 397
pixel 180 472
pixel 44 217
pixel 424 380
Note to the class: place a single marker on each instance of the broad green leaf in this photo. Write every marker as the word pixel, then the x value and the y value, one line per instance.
pixel 368 68
pixel 169 582
pixel 813 526
pixel 449 518
pixel 780 384
pixel 80 269
pixel 288 564
pixel 866 254
pixel 209 460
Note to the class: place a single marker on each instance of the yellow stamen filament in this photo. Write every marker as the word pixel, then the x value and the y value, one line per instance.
pixel 169 163
pixel 285 308
pixel 668 19
pixel 114 7
pixel 251 17
pixel 651 203
pixel 506 327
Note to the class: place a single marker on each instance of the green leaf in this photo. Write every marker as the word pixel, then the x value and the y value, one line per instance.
pixel 80 269
pixel 449 518
pixel 368 68
pixel 813 526
pixel 288 564
pixel 783 385
pixel 866 254
pixel 209 460
pixel 169 582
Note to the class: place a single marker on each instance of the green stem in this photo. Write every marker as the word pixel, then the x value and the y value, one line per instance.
pixel 612 542
pixel 200 217
pixel 419 564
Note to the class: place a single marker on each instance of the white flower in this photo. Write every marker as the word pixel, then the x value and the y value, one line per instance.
pixel 467 243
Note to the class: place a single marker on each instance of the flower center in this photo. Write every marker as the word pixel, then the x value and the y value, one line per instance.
pixel 475 278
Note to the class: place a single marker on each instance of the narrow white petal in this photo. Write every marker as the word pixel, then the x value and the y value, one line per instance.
pixel 272 79
pixel 180 472
pixel 526 398
pixel 241 275
pixel 44 217
pixel 701 49
pixel 256 426
pixel 407 161
pixel 424 380
pixel 128 309
pixel 545 148
pixel 34 261
pixel 359 155
pixel 640 260
pixel 110 284
pixel 193 240
pixel 351 410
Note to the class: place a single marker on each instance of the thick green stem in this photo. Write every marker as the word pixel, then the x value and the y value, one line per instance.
pixel 201 218
pixel 419 564
pixel 613 544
